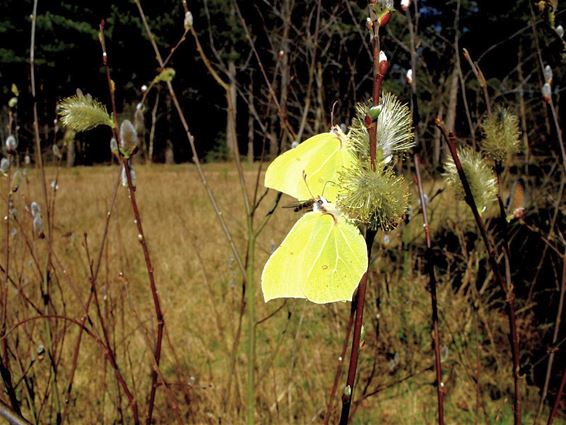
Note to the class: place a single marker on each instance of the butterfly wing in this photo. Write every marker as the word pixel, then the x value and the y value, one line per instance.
pixel 282 275
pixel 321 259
pixel 336 261
pixel 311 168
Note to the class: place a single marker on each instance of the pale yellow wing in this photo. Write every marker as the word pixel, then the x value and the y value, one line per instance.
pixel 311 169
pixel 282 275
pixel 321 259
pixel 334 269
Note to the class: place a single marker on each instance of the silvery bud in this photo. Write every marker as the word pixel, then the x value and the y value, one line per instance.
pixel 409 77
pixel 4 165
pixel 35 210
pixel 128 138
pixel 560 31
pixel 546 92
pixel 188 22
pixel 38 227
pixel 405 5
pixel 548 74
pixel 11 144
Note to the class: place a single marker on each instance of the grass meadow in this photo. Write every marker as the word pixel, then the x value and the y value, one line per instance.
pixel 203 367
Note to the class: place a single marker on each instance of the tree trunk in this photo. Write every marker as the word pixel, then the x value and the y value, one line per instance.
pixel 152 129
pixel 231 138
pixel 250 124
pixel 452 101
pixel 286 9
pixel 69 140
pixel 169 153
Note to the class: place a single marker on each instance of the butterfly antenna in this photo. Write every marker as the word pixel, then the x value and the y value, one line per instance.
pixel 307 185
pixel 332 113
pixel 324 187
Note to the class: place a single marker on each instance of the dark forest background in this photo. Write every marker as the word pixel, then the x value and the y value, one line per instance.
pixel 498 35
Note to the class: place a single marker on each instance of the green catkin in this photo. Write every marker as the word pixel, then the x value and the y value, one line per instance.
pixel 82 113
pixel 479 174
pixel 378 199
pixel 501 134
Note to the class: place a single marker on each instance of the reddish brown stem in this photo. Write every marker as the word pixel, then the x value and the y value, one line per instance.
pixel 330 405
pixel 379 71
pixel 432 282
pixel 141 237
pixel 558 398
pixel 347 395
pixel 507 289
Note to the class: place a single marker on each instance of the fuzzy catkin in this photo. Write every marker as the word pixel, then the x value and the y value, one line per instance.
pixel 479 174
pixel 378 199
pixel 501 134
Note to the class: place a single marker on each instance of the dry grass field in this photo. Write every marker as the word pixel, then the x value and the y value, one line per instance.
pixel 202 373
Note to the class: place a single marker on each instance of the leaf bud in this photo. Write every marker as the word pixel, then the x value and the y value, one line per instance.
pixel 384 18
pixel 383 63
pixel 374 112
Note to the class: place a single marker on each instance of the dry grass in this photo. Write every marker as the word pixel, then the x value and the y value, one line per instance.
pixel 201 291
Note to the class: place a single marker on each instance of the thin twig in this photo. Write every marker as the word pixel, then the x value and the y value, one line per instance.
pixel 440 391
pixel 557 400
pixel 554 339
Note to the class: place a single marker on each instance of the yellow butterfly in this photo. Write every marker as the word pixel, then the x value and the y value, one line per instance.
pixel 322 259
pixel 312 167
pixel 324 256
